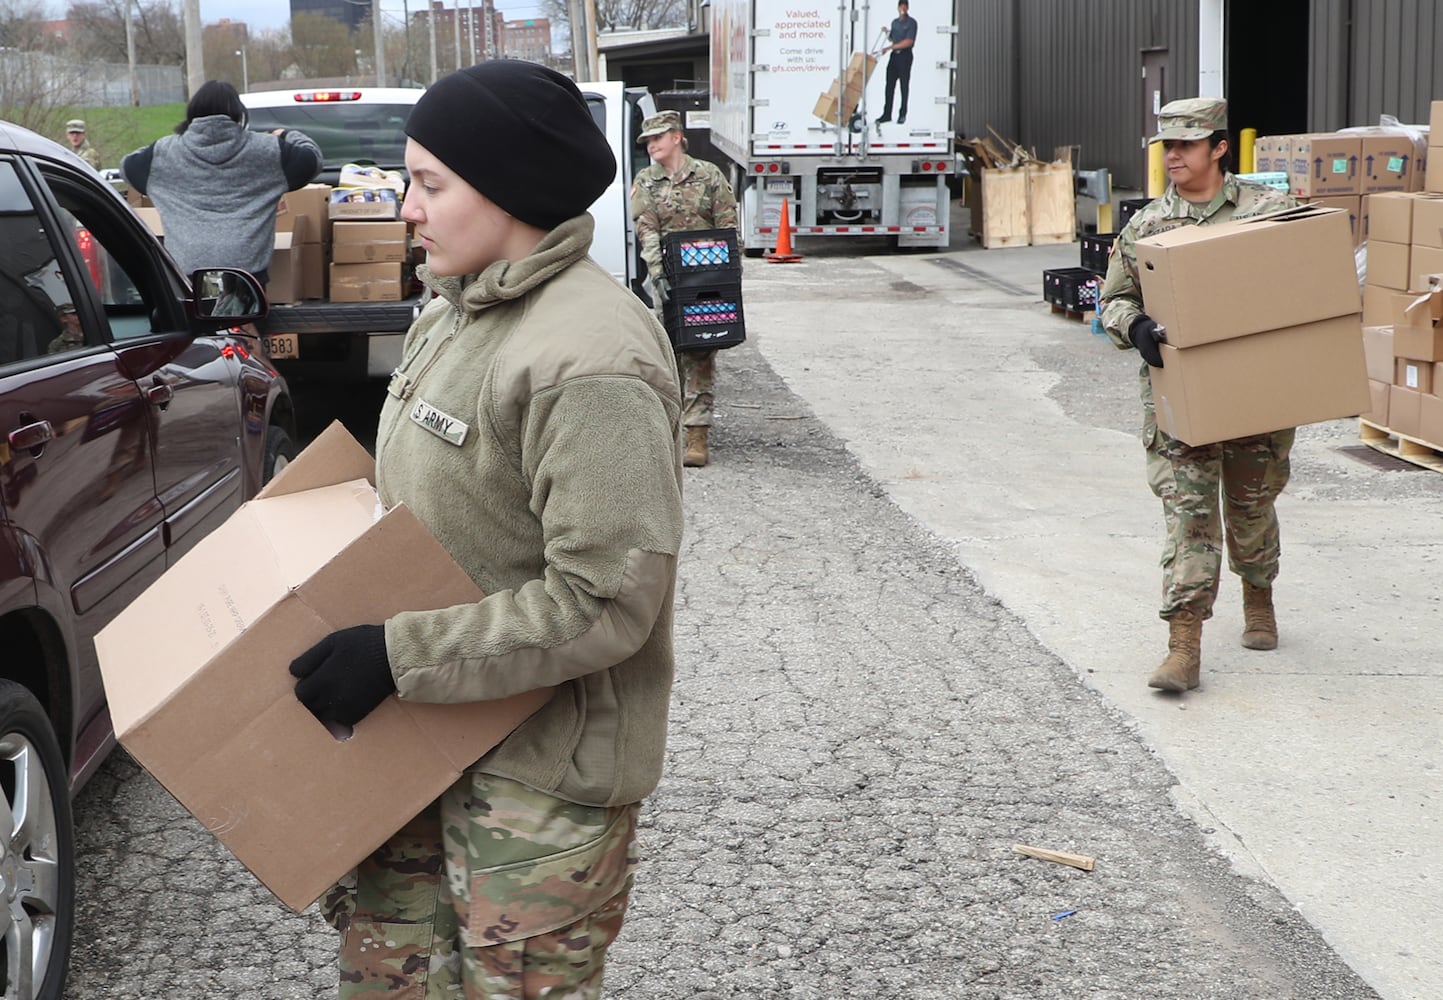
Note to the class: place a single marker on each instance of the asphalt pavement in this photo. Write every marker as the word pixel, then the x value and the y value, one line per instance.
pixel 916 609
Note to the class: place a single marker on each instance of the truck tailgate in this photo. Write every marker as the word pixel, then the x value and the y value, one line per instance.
pixel 343 317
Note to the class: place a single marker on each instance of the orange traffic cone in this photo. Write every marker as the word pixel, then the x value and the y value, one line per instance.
pixel 783 253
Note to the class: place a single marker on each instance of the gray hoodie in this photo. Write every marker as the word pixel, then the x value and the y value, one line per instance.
pixel 216 186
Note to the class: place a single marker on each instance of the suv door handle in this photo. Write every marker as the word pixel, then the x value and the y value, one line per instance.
pixel 32 436
pixel 160 394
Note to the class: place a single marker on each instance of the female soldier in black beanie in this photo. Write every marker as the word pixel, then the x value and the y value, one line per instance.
pixel 533 427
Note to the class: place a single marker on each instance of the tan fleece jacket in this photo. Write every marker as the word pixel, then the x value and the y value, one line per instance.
pixel 533 428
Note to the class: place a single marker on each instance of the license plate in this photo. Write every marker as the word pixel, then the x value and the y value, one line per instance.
pixel 282 345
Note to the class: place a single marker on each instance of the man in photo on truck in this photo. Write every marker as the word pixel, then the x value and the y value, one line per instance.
pixel 902 39
pixel 1250 471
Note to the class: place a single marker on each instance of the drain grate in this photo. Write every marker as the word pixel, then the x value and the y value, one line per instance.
pixel 1373 458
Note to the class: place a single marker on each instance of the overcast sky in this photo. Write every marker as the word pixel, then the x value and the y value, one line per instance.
pixel 263 14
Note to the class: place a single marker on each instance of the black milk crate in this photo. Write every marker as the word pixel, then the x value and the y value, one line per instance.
pixel 704 319
pixel 1129 207
pixel 1071 288
pixel 1095 248
pixel 701 255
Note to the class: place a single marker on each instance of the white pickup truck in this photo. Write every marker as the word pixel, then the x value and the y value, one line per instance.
pixel 354 341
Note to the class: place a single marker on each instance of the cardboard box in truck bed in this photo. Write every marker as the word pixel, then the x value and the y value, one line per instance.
pixel 197 674
pixel 1208 283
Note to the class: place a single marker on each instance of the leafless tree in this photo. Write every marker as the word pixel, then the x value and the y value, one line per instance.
pixel 322 46
pixel 98 28
pixel 614 15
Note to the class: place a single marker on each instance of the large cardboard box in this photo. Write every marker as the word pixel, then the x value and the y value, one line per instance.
pixel 1207 283
pixel 285 271
pixel 1270 153
pixel 196 671
pixel 1417 332
pixel 1381 305
pixel 368 242
pixel 1378 410
pixel 1389 265
pixel 1262 382
pixel 1417 375
pixel 367 282
pixel 1427 224
pixel 1325 164
pixel 312 201
pixel 1391 216
pixel 151 218
pixel 1404 415
pixel 313 270
pixel 1378 352
pixel 1389 161
pixel 1430 419
pixel 1425 265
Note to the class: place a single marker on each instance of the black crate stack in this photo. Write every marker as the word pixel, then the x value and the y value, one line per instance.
pixel 704 311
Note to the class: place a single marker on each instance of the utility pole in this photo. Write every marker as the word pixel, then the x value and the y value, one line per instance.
pixel 245 70
pixel 379 35
pixel 592 55
pixel 194 53
pixel 581 63
pixel 130 53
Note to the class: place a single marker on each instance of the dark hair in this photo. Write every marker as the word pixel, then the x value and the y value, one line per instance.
pixel 1225 162
pixel 214 97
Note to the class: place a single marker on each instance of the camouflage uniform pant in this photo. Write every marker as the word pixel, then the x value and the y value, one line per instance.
pixel 1249 473
pixel 696 369
pixel 495 892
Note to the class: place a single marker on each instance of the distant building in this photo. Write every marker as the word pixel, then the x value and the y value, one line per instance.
pixel 528 39
pixel 226 33
pixel 348 13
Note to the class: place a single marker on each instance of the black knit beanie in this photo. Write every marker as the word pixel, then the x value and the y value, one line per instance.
pixel 519 133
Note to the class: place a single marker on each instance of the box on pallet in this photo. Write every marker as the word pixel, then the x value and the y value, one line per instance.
pixel 195 671
pixel 1378 402
pixel 1325 164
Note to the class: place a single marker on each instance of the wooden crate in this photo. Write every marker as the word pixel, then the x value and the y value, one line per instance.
pixel 1052 203
pixel 1004 209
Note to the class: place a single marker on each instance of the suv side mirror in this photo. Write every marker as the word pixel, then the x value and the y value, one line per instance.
pixel 228 295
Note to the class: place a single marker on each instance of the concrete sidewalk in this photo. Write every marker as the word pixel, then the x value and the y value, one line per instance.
pixel 1012 433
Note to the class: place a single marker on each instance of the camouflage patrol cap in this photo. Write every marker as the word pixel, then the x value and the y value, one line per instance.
pixel 75 125
pixel 1193 118
pixel 662 121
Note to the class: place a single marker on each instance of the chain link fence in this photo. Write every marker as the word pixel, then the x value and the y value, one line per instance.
pixel 29 79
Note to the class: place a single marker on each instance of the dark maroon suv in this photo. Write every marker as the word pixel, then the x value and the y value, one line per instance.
pixel 134 418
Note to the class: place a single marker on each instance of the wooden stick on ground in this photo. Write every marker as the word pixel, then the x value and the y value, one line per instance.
pixel 1043 854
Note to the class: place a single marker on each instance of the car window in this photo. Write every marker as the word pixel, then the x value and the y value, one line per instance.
pixel 116 264
pixel 37 310
pixel 346 133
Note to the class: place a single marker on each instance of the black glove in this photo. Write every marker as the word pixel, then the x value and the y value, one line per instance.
pixel 1145 335
pixel 662 287
pixel 345 675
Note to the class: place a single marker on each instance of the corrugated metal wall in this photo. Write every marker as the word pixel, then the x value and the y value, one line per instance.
pixel 1049 73
pixel 1393 54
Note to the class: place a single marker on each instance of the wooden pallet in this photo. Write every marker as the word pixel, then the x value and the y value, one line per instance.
pixel 1410 449
pixel 1082 317
pixel 1052 239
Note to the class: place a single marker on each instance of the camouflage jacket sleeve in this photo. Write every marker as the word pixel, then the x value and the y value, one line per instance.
pixel 645 215
pixel 723 202
pixel 1121 293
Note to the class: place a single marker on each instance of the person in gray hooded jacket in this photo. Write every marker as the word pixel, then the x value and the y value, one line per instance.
pixel 216 184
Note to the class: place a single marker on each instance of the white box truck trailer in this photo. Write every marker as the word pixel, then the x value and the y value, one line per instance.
pixel 796 88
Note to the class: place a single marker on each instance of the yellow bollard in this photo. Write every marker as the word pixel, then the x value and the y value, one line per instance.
pixel 1247 153
pixel 1156 173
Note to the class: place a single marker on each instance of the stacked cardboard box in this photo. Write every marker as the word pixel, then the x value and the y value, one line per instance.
pixel 1405 370
pixel 1262 321
pixel 369 261
pixel 1341 169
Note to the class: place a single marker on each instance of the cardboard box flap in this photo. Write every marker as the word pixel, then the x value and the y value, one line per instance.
pixel 333 457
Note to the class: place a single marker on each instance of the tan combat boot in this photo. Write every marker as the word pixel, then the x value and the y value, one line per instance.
pixel 1179 672
pixel 1260 625
pixel 696 450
